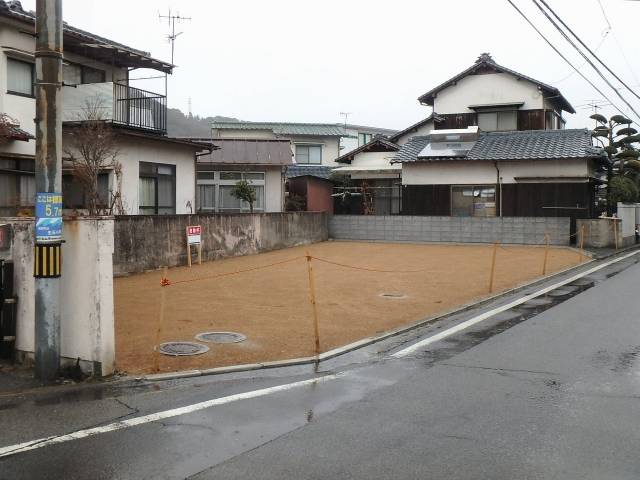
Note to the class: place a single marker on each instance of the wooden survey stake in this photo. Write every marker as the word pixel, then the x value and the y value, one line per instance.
pixel 194 237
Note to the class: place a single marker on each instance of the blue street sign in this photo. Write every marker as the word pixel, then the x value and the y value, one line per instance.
pixel 48 217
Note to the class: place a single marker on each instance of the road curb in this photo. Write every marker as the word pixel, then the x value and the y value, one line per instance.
pixel 370 340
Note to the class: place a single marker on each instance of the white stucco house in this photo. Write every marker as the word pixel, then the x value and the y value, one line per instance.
pixel 493 145
pixel 158 173
pixel 262 163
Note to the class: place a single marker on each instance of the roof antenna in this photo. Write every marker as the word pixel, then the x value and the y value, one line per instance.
pixel 345 115
pixel 171 21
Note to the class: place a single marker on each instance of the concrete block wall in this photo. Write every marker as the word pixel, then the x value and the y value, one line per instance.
pixel 149 242
pixel 509 230
pixel 87 329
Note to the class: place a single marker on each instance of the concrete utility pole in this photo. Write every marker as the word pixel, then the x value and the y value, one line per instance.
pixel 47 255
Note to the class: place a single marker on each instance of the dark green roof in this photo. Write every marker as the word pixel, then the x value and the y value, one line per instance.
pixel 308 129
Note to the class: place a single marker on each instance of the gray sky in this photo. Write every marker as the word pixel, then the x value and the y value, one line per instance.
pixel 307 61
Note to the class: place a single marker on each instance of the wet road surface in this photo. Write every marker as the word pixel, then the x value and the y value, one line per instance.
pixel 549 389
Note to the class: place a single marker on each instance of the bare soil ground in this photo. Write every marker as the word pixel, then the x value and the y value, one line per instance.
pixel 271 305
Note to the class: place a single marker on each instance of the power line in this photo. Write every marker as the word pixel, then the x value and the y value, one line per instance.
pixel 615 37
pixel 597 70
pixel 586 47
pixel 555 49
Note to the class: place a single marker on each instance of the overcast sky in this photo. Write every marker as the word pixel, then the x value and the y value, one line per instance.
pixel 307 61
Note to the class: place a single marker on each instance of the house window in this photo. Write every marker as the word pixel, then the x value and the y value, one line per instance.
pixel 309 154
pixel 74 195
pixel 71 74
pixel 74 74
pixel 17 186
pixel 498 121
pixel 19 77
pixel 364 138
pixel 214 191
pixel 157 189
pixel 473 201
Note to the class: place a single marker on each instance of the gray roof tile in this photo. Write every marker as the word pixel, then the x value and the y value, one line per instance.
pixel 533 144
pixel 319 171
pixel 515 145
pixel 311 129
pixel 410 150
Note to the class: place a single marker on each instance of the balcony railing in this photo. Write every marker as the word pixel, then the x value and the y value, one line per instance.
pixel 117 103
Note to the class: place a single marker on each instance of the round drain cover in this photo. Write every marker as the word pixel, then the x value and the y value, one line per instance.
pixel 536 302
pixel 178 349
pixel 221 337
pixel 562 291
pixel 393 295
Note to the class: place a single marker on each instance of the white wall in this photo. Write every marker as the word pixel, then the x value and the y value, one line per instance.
pixel 330 147
pixel 87 326
pixel 23 108
pixel 487 89
pixel 273 189
pixel 421 131
pixel 481 172
pixel 133 150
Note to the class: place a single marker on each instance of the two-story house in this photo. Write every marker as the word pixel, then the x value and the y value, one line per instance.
pixel 314 146
pixel 157 172
pixel 495 145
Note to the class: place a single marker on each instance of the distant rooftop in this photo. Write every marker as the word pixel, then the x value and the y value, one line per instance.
pixel 286 128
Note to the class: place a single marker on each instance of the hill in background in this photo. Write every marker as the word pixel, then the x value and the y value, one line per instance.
pixel 181 125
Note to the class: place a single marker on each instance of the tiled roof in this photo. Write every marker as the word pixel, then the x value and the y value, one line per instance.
pixel 410 150
pixel 485 61
pixel 533 145
pixel 319 171
pixel 516 145
pixel 310 129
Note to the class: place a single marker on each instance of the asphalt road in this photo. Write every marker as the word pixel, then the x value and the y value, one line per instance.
pixel 550 389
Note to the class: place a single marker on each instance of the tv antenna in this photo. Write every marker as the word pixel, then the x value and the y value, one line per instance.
pixel 346 116
pixel 171 21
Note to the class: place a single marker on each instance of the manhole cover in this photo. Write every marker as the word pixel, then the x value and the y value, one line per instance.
pixel 393 295
pixel 177 349
pixel 221 337
pixel 562 291
pixel 536 302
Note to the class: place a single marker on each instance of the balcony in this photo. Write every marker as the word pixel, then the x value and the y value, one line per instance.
pixel 116 103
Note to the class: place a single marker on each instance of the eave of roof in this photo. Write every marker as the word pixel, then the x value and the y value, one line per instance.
pixel 487 62
pixel 317 171
pixel 81 40
pixel 286 128
pixel 411 128
pixel 380 141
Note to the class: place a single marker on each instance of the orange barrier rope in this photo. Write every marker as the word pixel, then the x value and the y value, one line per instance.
pixel 353 267
pixel 166 282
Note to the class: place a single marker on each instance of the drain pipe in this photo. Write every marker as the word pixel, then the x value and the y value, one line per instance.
pixel 499 183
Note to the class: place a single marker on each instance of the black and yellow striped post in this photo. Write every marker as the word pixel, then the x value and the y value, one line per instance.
pixel 47 262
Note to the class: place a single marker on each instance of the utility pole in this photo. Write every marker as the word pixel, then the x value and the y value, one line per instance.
pixel 48 173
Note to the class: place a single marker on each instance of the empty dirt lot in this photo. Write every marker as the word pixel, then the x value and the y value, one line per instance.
pixel 271 305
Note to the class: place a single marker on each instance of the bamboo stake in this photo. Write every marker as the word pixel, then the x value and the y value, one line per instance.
pixel 615 233
pixel 582 244
pixel 163 298
pixel 546 253
pixel 314 310
pixel 493 266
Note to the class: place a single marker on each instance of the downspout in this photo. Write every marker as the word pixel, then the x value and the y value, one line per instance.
pixel 499 183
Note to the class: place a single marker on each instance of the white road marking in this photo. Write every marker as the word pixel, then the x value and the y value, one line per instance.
pixel 483 316
pixel 154 417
